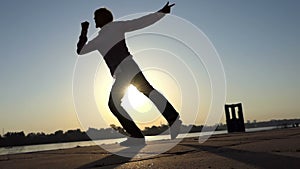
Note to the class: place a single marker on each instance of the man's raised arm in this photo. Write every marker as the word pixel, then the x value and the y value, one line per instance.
pixel 82 46
pixel 82 37
pixel 147 20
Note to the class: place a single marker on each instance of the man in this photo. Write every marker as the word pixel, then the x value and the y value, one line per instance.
pixel 111 43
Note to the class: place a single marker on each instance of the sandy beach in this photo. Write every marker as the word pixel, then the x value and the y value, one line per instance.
pixel 279 148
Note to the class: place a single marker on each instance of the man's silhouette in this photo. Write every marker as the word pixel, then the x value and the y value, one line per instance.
pixel 111 43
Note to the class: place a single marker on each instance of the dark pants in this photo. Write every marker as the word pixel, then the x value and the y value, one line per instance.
pixel 130 74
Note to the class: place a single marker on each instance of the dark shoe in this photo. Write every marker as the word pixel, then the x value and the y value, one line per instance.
pixel 175 128
pixel 133 142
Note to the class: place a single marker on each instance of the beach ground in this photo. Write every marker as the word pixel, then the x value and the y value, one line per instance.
pixel 279 148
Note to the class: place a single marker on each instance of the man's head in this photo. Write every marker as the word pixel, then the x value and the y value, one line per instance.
pixel 102 17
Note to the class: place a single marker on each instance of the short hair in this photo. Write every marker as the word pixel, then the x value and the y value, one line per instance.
pixel 105 14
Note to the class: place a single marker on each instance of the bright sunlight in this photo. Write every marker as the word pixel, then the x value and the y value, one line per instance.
pixel 137 100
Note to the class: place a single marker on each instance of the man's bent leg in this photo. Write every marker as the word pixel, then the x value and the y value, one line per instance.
pixel 162 104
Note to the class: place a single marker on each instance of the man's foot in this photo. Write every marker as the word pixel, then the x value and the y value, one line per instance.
pixel 175 128
pixel 133 142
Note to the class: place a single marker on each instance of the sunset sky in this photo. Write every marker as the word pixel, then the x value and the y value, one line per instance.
pixel 258 43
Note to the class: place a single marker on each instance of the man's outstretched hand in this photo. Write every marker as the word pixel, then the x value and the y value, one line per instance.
pixel 167 8
pixel 82 37
pixel 85 26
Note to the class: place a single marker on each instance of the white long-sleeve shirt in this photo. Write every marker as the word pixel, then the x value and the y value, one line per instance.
pixel 110 41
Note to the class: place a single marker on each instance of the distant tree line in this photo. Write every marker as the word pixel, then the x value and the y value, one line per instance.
pixel 279 123
pixel 20 138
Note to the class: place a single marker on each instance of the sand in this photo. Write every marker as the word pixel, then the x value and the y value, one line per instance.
pixel 279 148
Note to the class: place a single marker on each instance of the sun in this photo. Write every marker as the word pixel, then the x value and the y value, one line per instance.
pixel 138 100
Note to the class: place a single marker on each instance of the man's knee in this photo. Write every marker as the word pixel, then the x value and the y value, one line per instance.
pixel 113 103
pixel 146 89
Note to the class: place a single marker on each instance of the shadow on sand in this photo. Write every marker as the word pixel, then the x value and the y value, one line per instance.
pixel 256 159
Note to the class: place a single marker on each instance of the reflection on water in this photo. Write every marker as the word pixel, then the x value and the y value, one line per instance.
pixel 56 146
